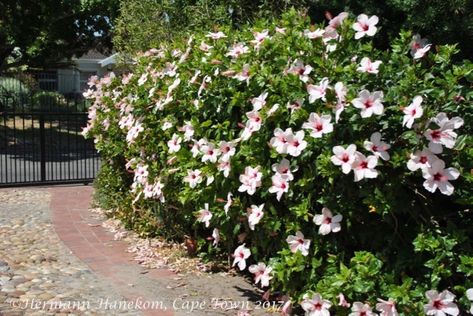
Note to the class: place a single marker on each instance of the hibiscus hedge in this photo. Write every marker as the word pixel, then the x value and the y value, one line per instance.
pixel 324 165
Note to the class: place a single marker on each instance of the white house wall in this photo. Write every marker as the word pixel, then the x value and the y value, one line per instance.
pixel 68 80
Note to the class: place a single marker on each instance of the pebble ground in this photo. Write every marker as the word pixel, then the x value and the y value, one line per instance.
pixel 37 268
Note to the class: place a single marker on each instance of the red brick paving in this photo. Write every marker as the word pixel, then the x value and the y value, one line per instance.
pixel 79 231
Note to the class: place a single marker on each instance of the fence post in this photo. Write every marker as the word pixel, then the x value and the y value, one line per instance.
pixel 42 146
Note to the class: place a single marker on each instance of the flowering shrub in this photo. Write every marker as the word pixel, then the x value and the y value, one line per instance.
pixel 335 173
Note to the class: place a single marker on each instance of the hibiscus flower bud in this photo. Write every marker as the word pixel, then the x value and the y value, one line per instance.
pixel 342 301
pixel 215 62
pixel 171 171
pixel 171 160
pixel 229 73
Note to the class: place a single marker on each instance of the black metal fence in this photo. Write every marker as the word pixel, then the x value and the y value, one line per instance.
pixel 40 136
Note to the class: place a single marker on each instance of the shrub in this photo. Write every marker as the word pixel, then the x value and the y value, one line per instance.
pixel 306 150
pixel 13 93
pixel 49 101
pixel 143 24
pixel 441 21
pixel 112 185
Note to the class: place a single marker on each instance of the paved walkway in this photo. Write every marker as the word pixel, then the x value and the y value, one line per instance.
pixel 53 250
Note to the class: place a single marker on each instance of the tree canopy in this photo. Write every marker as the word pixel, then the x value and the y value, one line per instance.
pixel 41 33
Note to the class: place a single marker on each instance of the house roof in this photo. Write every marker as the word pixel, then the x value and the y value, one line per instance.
pixel 110 60
pixel 95 57
pixel 92 55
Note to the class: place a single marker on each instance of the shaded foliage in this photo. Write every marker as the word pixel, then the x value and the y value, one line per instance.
pixel 46 32
pixel 144 24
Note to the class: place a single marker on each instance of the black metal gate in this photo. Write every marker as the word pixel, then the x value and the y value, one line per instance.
pixel 41 141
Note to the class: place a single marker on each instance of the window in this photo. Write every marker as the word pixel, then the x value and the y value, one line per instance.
pixel 47 80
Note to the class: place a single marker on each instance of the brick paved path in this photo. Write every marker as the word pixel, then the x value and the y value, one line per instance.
pixel 81 232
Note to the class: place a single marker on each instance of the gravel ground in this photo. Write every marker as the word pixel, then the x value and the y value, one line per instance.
pixel 37 268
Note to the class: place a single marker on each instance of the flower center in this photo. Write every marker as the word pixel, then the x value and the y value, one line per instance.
pixel 436 134
pixel 365 27
pixel 345 158
pixel 317 306
pixel 368 103
pixel 328 220
pixel 438 304
pixel 423 159
pixel 438 176
pixel 363 165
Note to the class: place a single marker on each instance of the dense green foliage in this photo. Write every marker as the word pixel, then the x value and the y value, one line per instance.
pixel 13 92
pixel 397 239
pixel 441 21
pixel 48 101
pixel 42 33
pixel 144 24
